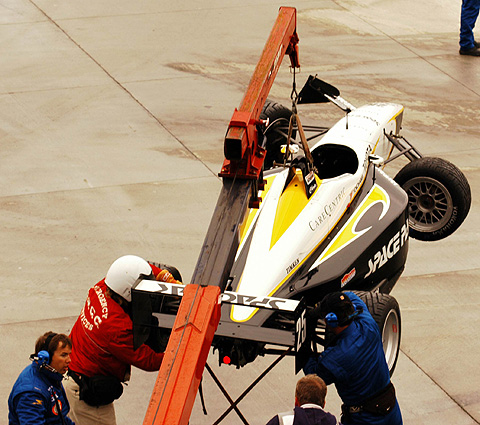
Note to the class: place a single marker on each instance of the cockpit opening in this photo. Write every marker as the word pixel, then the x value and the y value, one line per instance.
pixel 334 160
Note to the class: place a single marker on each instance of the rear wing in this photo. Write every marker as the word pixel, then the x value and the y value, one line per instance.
pixel 318 91
pixel 150 296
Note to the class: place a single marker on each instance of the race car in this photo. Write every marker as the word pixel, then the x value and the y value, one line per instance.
pixel 331 219
pixel 292 224
pixel 328 219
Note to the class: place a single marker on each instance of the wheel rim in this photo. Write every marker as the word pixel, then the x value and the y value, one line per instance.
pixel 391 338
pixel 431 205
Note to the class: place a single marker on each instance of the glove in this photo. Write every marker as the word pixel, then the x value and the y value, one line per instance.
pixel 311 322
pixel 312 317
pixel 166 276
pixel 317 310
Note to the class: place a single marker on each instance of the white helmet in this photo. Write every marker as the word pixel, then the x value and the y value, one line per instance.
pixel 124 272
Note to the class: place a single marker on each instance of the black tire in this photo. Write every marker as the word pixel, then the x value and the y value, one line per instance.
pixel 276 132
pixel 439 197
pixel 386 312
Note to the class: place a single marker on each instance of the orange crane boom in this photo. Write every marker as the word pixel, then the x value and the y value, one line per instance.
pixel 198 316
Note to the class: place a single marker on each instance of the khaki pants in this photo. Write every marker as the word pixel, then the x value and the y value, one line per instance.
pixel 83 414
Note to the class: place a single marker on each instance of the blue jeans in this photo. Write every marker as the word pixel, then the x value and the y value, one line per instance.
pixel 470 9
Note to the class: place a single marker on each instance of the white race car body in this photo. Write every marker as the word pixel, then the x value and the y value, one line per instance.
pixel 288 233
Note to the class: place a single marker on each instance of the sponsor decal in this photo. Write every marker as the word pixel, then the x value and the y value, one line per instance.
pixel 310 184
pixel 366 117
pixel 450 223
pixel 348 277
pixel 292 266
pixel 161 287
pixel 54 407
pixel 388 250
pixel 230 297
pixel 327 211
pixel 310 177
pixel 265 302
pixel 53 400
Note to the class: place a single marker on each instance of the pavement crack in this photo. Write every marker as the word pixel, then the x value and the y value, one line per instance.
pixel 440 387
pixel 121 86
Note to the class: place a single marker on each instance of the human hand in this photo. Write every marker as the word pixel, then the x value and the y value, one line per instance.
pixel 166 276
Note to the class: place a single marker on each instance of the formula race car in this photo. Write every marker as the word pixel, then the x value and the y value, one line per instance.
pixel 294 222
pixel 330 219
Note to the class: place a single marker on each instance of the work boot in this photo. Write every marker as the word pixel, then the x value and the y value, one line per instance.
pixel 474 51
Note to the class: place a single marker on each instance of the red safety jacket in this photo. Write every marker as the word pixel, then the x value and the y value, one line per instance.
pixel 102 339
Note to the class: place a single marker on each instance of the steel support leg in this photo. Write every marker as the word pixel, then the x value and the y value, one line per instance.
pixel 185 356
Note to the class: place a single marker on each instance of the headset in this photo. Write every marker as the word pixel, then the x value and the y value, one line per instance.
pixel 44 356
pixel 331 319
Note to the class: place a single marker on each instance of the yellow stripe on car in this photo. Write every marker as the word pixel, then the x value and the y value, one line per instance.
pixel 291 203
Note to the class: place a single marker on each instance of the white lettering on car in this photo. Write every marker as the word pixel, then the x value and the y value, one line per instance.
pixel 327 211
pixel 292 266
pixel 388 251
pixel 265 302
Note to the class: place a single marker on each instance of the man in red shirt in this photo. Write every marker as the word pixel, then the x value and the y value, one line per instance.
pixel 102 340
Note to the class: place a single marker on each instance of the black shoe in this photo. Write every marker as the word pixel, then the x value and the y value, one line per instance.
pixel 476 44
pixel 474 51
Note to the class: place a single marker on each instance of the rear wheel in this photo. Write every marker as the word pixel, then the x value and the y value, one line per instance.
pixel 439 197
pixel 276 132
pixel 386 312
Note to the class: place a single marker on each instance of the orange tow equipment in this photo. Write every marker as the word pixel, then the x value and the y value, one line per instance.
pixel 197 319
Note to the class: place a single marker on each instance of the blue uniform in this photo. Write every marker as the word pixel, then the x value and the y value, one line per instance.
pixel 469 15
pixel 32 399
pixel 356 365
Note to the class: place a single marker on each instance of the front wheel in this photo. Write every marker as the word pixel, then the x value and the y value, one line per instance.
pixel 386 312
pixel 439 197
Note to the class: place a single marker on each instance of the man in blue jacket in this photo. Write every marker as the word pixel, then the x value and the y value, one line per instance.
pixel 355 362
pixel 38 397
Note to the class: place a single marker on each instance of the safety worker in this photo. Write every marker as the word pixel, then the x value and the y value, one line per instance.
pixel 102 337
pixel 310 393
pixel 38 397
pixel 355 362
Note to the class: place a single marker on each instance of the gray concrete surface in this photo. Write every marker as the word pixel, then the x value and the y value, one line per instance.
pixel 112 117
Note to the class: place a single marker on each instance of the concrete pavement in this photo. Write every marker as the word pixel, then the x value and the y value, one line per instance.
pixel 112 118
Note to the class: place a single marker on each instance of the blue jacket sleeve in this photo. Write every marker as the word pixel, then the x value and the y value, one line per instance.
pixel 30 408
pixel 311 366
pixel 356 301
pixel 314 366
